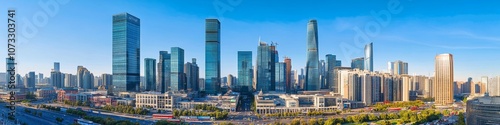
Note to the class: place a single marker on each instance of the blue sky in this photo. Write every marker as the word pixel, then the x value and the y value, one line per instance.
pixel 78 32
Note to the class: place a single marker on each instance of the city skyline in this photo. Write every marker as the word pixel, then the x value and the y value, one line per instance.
pixel 31 59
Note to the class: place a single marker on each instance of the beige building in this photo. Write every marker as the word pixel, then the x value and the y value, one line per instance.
pixel 443 84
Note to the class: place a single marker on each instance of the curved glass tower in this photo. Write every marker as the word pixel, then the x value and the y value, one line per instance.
pixel 369 57
pixel 312 64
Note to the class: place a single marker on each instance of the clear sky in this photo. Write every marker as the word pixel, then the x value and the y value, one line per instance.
pixel 79 32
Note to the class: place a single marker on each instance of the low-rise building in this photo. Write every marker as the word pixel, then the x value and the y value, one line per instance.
pixel 170 101
pixel 483 110
pixel 303 103
pixel 46 93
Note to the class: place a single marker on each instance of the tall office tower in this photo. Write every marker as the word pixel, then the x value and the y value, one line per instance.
pixel 192 75
pixel 245 72
pixel 358 63
pixel 19 81
pixel 274 60
pixel 30 80
pixel 56 67
pixel 10 64
pixel 443 84
pixel 149 74
pixel 312 82
pixel 338 63
pixel 398 67
pixel 293 80
pixel 301 79
pixel 330 65
pixel 56 79
pixel 230 81
pixel 163 83
pixel 88 80
pixel 264 73
pixel 177 69
pixel 67 80
pixel 224 81
pixel 322 74
pixel 289 83
pixel 280 73
pixel 107 81
pixel 201 82
pixel 369 57
pixel 212 56
pixel 40 78
pixel 126 53
pixel 3 78
pixel 97 82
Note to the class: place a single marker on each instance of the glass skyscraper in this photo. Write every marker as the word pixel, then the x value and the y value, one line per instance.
pixel 177 69
pixel 150 74
pixel 280 77
pixel 126 53
pixel 192 75
pixel 369 57
pixel 312 82
pixel 163 83
pixel 212 56
pixel 330 64
pixel 264 68
pixel 358 63
pixel 245 72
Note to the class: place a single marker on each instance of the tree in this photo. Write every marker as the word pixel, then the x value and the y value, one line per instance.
pixel 295 122
pixel 461 119
pixel 59 120
pixel 313 121
pixel 372 117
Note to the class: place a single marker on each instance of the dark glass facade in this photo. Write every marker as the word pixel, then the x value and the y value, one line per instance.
pixel 330 64
pixel 369 57
pixel 312 82
pixel 126 53
pixel 264 69
pixel 212 56
pixel 245 72
pixel 149 74
pixel 163 83
pixel 177 69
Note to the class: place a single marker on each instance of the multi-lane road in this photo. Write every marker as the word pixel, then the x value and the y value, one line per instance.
pixel 48 117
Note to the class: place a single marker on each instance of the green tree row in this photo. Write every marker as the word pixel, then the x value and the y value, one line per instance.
pixel 109 121
pixel 217 114
pixel 207 107
pixel 126 109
